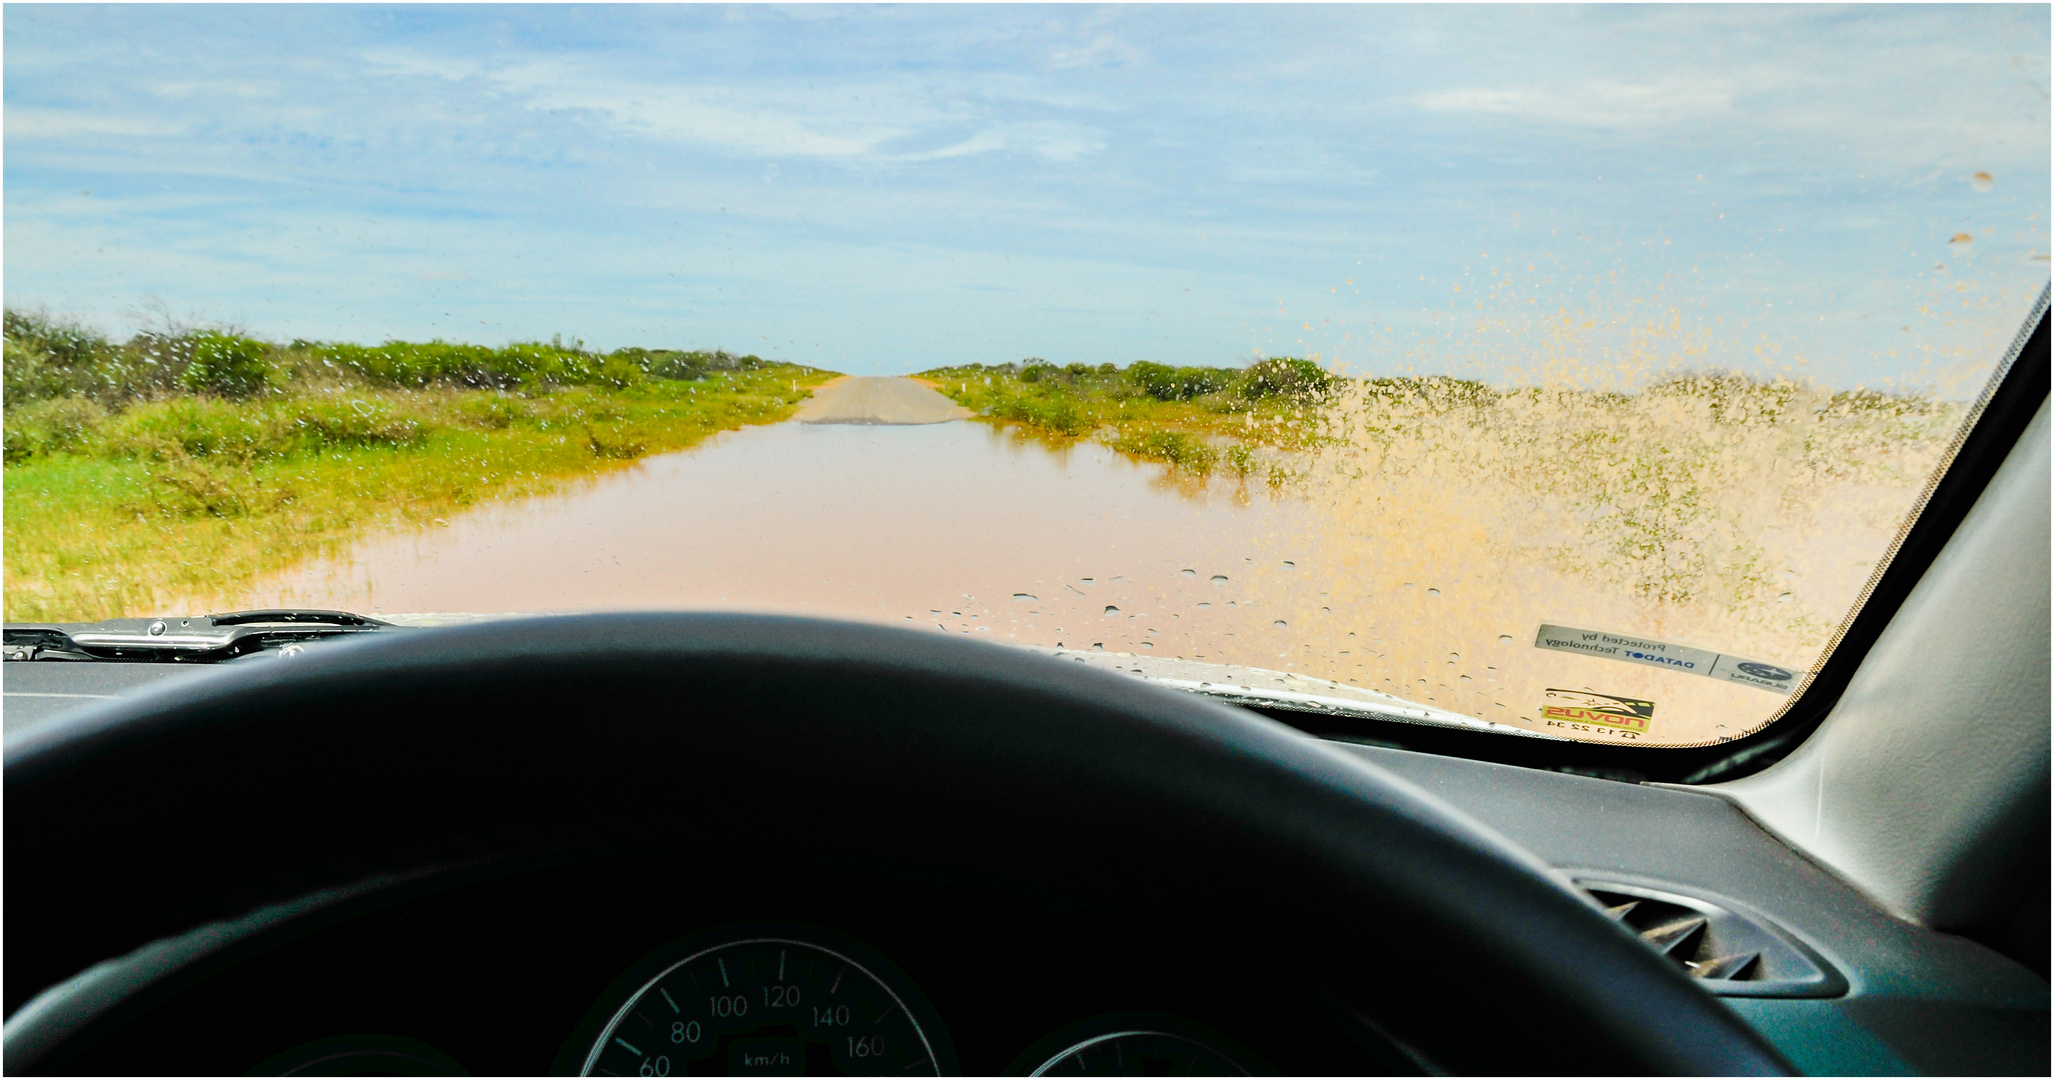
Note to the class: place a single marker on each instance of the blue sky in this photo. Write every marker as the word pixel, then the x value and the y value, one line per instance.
pixel 1514 193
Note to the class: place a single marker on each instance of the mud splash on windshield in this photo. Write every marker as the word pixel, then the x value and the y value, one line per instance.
pixel 1447 521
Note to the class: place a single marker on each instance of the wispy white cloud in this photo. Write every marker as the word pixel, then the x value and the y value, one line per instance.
pixel 1596 104
pixel 1050 140
pixel 873 118
pixel 1102 50
pixel 690 116
pixel 27 122
pixel 388 61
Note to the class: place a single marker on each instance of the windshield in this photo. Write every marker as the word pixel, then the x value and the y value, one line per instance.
pixel 1569 371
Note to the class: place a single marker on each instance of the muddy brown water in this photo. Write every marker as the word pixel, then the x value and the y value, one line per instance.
pixel 956 526
pixel 963 527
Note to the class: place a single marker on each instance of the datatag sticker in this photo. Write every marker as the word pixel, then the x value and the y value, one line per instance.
pixel 1664 654
pixel 1578 709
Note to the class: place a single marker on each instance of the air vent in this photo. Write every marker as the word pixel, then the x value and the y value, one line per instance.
pixel 1728 953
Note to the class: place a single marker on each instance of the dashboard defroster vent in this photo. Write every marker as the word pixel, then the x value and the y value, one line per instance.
pixel 1730 954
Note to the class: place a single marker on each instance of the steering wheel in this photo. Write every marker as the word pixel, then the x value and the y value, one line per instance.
pixel 408 753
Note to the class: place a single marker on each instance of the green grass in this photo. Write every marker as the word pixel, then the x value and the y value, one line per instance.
pixel 180 500
pixel 1197 420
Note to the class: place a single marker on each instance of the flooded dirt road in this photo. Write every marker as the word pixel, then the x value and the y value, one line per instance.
pixel 1408 584
pixel 956 526
pixel 865 399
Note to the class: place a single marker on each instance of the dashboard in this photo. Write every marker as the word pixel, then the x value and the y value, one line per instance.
pixel 621 967
pixel 823 868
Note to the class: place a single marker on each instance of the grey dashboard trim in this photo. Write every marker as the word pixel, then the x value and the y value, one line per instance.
pixel 1909 988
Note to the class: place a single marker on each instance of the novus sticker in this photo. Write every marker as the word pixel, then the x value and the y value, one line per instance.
pixel 1579 709
pixel 1664 654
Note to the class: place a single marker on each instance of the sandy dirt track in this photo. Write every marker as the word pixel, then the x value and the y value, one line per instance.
pixel 874 400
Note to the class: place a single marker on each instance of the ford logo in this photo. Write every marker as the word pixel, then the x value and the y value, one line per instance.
pixel 1764 671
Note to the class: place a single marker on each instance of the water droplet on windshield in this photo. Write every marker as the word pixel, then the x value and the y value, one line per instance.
pixel 1148 644
pixel 1190 573
pixel 1111 610
pixel 1433 592
pixel 1219 579
pixel 1204 607
pixel 1021 596
pixel 1289 565
pixel 1961 241
pixel 1981 181
pixel 1506 638
pixel 1279 623
pixel 1783 598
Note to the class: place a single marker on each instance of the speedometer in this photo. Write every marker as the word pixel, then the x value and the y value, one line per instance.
pixel 783 1004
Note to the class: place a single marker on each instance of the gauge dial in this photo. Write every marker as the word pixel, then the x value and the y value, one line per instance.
pixel 766 1006
pixel 1140 1053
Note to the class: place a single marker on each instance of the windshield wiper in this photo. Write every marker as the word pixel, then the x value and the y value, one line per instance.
pixel 200 639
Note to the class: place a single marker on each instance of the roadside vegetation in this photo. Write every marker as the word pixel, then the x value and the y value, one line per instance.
pixel 185 464
pixel 1198 420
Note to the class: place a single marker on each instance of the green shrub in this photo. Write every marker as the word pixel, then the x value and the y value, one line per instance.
pixel 319 423
pixel 67 344
pixel 492 411
pixel 1165 383
pixel 29 373
pixel 1178 449
pixel 201 427
pixel 1054 414
pixel 46 358
pixel 620 373
pixel 196 426
pixel 1285 376
pixel 399 363
pixel 227 365
pixel 534 367
pixel 60 424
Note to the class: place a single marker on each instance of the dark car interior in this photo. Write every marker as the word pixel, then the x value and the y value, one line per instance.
pixel 511 848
